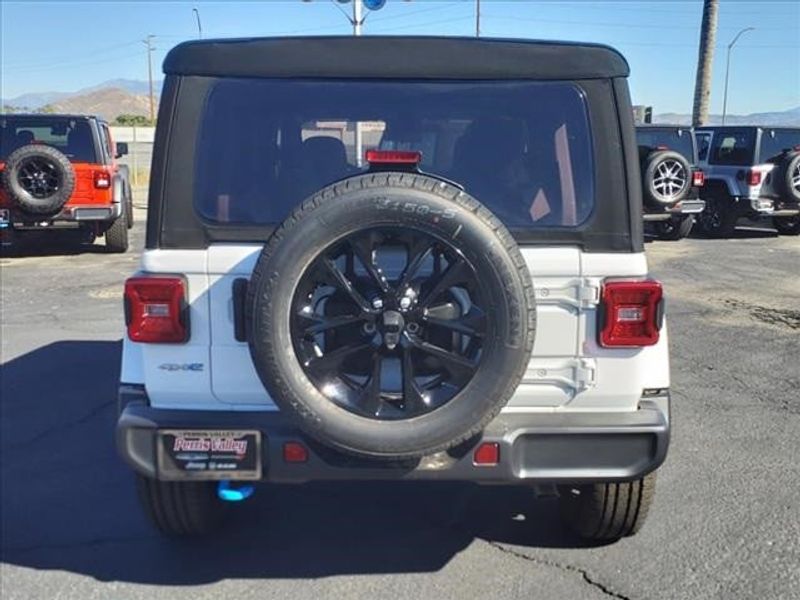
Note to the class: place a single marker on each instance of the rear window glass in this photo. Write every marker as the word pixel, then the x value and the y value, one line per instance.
pixel 703 142
pixel 73 137
pixel 775 141
pixel 733 147
pixel 522 148
pixel 678 139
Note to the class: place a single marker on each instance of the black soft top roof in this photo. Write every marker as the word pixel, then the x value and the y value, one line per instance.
pixel 395 57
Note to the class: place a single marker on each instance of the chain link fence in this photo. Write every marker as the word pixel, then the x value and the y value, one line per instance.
pixel 140 152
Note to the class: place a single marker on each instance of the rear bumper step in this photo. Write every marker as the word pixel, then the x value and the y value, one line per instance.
pixel 535 447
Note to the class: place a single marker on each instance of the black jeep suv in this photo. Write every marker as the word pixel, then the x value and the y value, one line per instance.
pixel 671 179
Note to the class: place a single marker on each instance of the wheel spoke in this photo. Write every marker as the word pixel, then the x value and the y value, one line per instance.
pixel 413 400
pixel 460 367
pixel 363 247
pixel 330 362
pixel 370 397
pixel 418 253
pixel 457 272
pixel 321 323
pixel 338 279
pixel 472 324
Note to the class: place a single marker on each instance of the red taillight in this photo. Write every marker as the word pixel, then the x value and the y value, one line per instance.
pixel 294 452
pixel 155 310
pixel 102 180
pixel 753 177
pixel 631 313
pixel 394 157
pixel 698 178
pixel 487 454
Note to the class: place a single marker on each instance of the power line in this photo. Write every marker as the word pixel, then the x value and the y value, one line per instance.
pixel 627 25
pixel 428 24
pixel 55 66
pixel 455 4
pixel 14 65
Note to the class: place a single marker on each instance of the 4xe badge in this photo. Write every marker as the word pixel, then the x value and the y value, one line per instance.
pixel 181 367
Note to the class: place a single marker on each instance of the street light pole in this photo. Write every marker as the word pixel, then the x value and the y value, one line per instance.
pixel 357 22
pixel 148 41
pixel 477 18
pixel 727 71
pixel 199 26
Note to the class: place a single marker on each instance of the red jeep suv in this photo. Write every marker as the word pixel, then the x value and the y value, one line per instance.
pixel 60 172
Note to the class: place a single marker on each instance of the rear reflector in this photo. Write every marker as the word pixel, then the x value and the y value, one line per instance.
pixel 753 177
pixel 294 452
pixel 487 454
pixel 155 310
pixel 393 157
pixel 698 179
pixel 631 313
pixel 102 180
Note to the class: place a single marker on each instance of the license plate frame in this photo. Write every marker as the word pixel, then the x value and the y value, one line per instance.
pixel 210 455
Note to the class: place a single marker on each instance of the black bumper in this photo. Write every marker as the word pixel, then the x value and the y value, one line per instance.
pixel 535 447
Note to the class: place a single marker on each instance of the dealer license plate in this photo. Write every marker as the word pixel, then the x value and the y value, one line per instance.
pixel 194 454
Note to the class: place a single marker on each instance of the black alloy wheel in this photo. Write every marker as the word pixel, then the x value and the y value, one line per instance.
pixel 39 176
pixel 389 322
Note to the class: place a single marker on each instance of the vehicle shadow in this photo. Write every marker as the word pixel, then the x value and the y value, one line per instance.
pixel 44 245
pixel 742 232
pixel 68 501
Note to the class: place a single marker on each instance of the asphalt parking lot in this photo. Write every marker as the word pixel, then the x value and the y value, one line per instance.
pixel 725 523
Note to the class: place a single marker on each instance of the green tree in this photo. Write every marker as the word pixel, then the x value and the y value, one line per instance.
pixel 128 120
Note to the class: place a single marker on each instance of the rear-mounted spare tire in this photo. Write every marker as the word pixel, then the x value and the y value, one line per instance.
pixel 667 178
pixel 788 176
pixel 391 315
pixel 38 179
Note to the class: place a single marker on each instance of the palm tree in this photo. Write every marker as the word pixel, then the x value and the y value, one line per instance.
pixel 705 59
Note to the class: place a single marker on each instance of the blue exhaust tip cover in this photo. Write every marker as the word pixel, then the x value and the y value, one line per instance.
pixel 234 492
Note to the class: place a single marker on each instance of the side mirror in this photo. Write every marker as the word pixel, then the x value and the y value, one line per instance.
pixel 122 149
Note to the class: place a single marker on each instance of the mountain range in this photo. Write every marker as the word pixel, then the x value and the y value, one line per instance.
pixel 130 96
pixel 108 99
pixel 787 118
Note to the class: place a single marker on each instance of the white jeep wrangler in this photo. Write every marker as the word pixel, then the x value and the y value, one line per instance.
pixel 395 258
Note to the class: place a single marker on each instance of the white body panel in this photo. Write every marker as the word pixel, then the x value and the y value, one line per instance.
pixel 568 371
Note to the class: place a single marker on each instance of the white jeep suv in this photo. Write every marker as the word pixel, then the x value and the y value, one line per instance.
pixel 395 258
pixel 750 172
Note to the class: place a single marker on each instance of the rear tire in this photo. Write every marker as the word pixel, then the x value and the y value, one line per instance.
pixel 117 235
pixel 718 220
pixel 607 511
pixel 674 229
pixel 787 225
pixel 181 508
pixel 129 204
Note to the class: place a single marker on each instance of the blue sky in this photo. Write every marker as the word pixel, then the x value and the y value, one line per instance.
pixel 64 46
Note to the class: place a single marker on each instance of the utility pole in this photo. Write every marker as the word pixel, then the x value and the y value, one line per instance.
pixel 148 41
pixel 477 18
pixel 727 71
pixel 705 59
